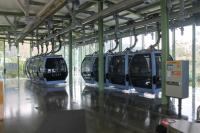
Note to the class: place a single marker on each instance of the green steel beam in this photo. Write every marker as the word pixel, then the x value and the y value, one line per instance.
pixel 165 46
pixel 193 56
pixel 101 58
pixel 70 64
pixel 174 43
pixel 21 14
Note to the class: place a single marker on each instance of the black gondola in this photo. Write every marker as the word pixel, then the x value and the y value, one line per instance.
pixel 89 68
pixel 47 69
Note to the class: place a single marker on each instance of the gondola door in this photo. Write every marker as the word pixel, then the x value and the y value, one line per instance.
pixel 116 73
pixel 141 71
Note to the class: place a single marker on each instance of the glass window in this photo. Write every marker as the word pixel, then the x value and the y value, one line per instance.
pixel 184 46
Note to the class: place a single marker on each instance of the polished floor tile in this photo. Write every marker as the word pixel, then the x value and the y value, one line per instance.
pixel 31 108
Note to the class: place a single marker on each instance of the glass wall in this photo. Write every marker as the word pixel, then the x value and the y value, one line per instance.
pixel 129 41
pixel 24 53
pixel 184 46
pixel 149 39
pixel 11 66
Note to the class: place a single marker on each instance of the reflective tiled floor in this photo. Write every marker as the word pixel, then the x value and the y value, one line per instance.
pixel 32 108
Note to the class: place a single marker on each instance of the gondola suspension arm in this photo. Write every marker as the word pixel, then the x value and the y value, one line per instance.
pixel 115 16
pixel 135 42
pixel 159 37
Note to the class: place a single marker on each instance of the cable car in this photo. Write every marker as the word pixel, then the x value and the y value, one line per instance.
pixel 89 69
pixel 144 71
pixel 117 73
pixel 48 69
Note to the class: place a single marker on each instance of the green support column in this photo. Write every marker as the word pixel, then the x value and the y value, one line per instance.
pixel 64 51
pixel 143 41
pixel 193 56
pixel 70 65
pixel 156 38
pixel 80 56
pixel 131 40
pixel 4 62
pixel 18 63
pixel 90 48
pixel 31 46
pixel 85 52
pixel 101 58
pixel 165 46
pixel 120 44
pixel 173 43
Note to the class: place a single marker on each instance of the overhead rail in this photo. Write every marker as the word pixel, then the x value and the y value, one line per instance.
pixel 115 16
pixel 135 42
pixel 188 12
pixel 174 16
pixel 121 5
pixel 49 9
pixel 105 13
pixel 159 36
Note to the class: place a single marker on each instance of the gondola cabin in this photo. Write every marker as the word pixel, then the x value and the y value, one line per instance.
pixel 49 69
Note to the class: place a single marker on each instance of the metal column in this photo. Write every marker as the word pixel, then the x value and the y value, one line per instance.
pixel 120 45
pixel 193 69
pixel 143 41
pixel 131 40
pixel 156 38
pixel 4 62
pixel 173 43
pixel 64 51
pixel 70 65
pixel 30 52
pixel 193 56
pixel 165 46
pixel 101 58
pixel 18 63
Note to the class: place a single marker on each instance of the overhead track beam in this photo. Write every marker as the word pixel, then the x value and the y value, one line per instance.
pixel 117 8
pixel 49 9
pixel 21 6
pixel 11 13
pixel 121 6
pixel 109 3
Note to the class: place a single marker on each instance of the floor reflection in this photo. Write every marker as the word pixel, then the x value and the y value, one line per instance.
pixel 31 104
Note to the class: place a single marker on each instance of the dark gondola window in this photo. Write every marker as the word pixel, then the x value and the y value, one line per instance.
pixel 56 69
pixel 96 67
pixel 117 70
pixel 140 71
pixel 86 68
